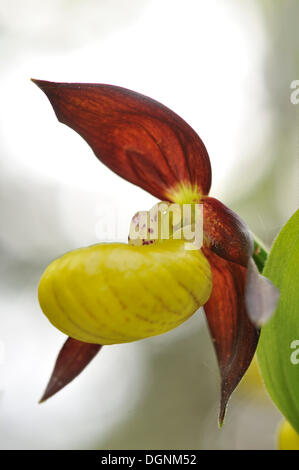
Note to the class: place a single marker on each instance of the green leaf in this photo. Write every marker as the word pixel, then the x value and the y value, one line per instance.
pixel 278 350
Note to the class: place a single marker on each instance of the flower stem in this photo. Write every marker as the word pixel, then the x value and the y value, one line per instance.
pixel 260 254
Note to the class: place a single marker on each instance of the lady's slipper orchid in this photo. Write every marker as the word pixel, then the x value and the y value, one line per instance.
pixel 115 293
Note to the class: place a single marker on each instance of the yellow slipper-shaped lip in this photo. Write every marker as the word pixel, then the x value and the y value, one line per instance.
pixel 117 293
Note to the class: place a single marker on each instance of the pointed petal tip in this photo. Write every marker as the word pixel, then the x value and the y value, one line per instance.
pixel 46 86
pixel 234 336
pixel 225 395
pixel 221 416
pixel 42 84
pixel 72 359
pixel 36 81
pixel 52 388
pixel 43 399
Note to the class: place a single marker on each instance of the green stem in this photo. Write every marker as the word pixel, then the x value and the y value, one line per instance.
pixel 260 254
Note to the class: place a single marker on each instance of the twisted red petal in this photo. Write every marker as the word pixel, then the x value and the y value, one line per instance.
pixel 72 359
pixel 138 138
pixel 228 236
pixel 235 338
pixel 225 233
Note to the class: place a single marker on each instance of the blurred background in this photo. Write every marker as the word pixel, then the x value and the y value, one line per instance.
pixel 226 67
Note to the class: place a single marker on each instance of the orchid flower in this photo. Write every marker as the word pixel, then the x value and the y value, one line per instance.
pixel 115 293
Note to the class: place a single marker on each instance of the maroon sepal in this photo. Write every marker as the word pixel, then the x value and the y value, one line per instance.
pixel 72 359
pixel 138 138
pixel 225 233
pixel 235 338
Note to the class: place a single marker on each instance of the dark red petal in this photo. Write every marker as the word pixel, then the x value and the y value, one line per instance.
pixel 72 359
pixel 225 233
pixel 135 136
pixel 235 338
